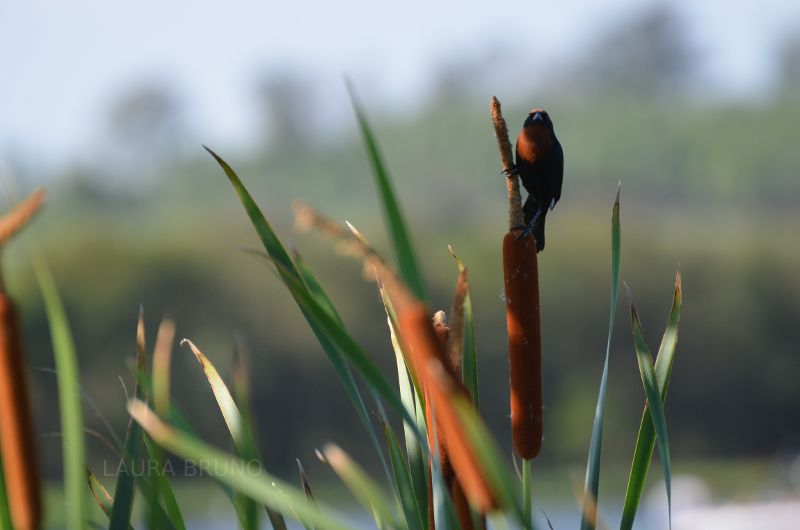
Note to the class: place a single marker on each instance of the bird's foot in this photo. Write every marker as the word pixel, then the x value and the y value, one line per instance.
pixel 510 171
pixel 527 230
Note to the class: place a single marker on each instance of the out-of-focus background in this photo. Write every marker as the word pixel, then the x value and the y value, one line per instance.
pixel 694 105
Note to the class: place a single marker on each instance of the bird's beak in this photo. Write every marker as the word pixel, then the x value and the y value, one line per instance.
pixel 537 117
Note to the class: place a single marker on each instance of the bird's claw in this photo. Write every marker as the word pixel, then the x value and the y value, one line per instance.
pixel 510 171
pixel 526 230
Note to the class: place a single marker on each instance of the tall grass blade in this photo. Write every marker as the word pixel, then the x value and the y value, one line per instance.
pixel 170 514
pixel 297 286
pixel 69 399
pixel 410 395
pixel 592 483
pixel 415 513
pixel 5 512
pixel 363 488
pixel 249 449
pixel 646 440
pixel 99 492
pixel 654 402
pixel 469 373
pixel 245 447
pixel 306 489
pixel 124 490
pixel 230 412
pixel 234 472
pixel 401 241
pixel 162 361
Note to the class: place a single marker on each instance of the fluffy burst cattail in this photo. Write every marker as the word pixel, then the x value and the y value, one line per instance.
pixel 16 429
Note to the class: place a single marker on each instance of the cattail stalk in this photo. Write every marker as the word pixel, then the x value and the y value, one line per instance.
pixel 521 275
pixel 16 428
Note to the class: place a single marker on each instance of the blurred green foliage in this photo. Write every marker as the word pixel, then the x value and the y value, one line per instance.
pixel 713 185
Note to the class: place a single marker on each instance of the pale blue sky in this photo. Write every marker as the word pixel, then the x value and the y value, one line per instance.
pixel 63 62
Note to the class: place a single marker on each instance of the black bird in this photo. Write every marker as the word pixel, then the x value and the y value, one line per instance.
pixel 540 163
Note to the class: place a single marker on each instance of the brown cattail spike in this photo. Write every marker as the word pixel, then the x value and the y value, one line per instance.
pixel 521 271
pixel 440 386
pixel 16 429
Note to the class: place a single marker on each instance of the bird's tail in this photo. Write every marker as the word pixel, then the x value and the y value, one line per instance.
pixel 538 232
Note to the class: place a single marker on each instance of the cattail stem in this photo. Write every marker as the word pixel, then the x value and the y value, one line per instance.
pixel 16 429
pixel 521 272
pixel 515 216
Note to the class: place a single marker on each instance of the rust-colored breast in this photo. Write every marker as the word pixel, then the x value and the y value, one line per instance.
pixel 532 141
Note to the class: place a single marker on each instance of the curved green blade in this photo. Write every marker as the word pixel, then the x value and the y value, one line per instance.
pixel 592 483
pixel 401 241
pixel 234 472
pixel 654 402
pixel 297 279
pixel 5 512
pixel 646 440
pixel 69 398
pixel 366 491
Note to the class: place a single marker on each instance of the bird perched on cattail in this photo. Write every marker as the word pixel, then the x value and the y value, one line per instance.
pixel 540 163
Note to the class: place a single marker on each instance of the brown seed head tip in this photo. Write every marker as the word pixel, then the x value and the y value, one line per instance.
pixel 18 217
pixel 440 318
pixel 303 215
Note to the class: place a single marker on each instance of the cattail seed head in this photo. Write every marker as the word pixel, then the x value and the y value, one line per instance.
pixel 16 427
pixel 440 385
pixel 521 271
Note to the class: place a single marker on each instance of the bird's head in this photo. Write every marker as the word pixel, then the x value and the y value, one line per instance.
pixel 538 118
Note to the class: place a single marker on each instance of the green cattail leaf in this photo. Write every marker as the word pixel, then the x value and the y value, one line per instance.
pixel 395 221
pixel 365 490
pixel 414 512
pixel 592 483
pixel 69 399
pixel 411 396
pixel 5 512
pixel 170 514
pixel 329 330
pixel 124 490
pixel 333 336
pixel 245 448
pixel 654 401
pixel 646 440
pixel 100 494
pixel 234 472
pixel 229 409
